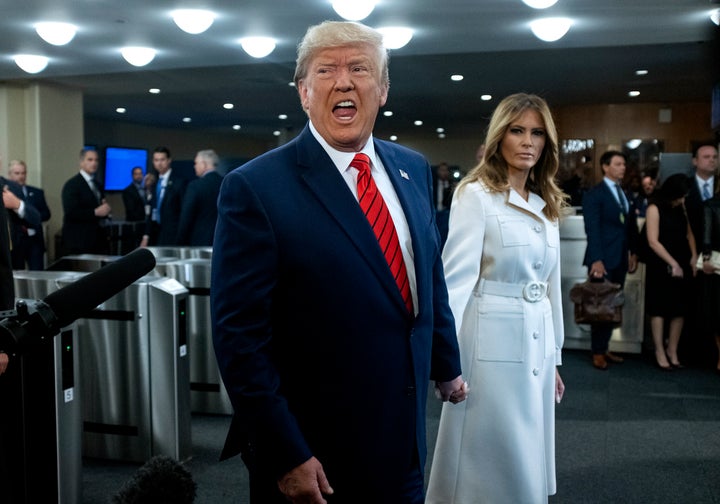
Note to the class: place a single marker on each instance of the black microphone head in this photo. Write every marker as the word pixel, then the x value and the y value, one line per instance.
pixel 81 297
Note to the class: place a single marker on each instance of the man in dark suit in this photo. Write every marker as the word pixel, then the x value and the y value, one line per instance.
pixel 134 197
pixel 443 187
pixel 612 237
pixel 167 195
pixel 85 210
pixel 31 250
pixel 696 343
pixel 22 216
pixel 326 356
pixel 199 211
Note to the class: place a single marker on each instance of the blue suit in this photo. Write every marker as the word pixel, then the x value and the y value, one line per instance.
pixel 316 348
pixel 611 234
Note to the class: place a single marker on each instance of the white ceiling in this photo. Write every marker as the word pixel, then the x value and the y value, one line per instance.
pixel 488 41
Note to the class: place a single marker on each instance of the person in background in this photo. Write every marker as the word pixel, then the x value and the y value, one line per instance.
pixel 85 209
pixel 32 248
pixel 711 241
pixel 167 195
pixel 134 197
pixel 329 307
pixel 443 187
pixel 199 207
pixel 670 266
pixel 21 216
pixel 502 268
pixel 647 187
pixel 612 239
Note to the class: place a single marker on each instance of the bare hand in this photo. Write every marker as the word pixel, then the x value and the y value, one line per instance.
pixel 103 210
pixel 559 387
pixel 4 359
pixel 454 391
pixel 708 267
pixel 597 270
pixel 306 483
pixel 632 263
pixel 676 271
pixel 10 201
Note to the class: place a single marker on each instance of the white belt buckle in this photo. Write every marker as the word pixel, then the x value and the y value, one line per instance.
pixel 534 291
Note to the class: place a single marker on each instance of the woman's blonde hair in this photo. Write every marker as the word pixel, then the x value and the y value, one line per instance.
pixel 493 170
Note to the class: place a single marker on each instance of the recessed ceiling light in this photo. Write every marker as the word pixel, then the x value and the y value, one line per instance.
pixel 486 97
pixel 393 138
pixel 539 4
pixel 395 37
pixel 441 135
pixel 282 117
pixel 440 130
pixel 456 77
pixel 228 106
pixel 633 94
pixel 641 72
pixel 31 63
pixel 236 127
pixel 57 34
pixel 715 16
pixel 138 56
pixel 277 133
pixel 388 113
pixel 291 84
pixel 154 90
pixel 258 47
pixel 353 10
pixel 418 123
pixel 193 21
pixel 550 29
pixel 186 119
pixel 121 110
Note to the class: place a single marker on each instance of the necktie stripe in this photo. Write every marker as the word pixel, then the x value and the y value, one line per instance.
pixel 378 216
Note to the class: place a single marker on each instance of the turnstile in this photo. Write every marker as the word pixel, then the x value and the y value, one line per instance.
pixel 207 392
pixel 46 452
pixel 181 252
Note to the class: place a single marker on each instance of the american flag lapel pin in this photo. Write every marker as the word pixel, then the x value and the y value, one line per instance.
pixel 404 174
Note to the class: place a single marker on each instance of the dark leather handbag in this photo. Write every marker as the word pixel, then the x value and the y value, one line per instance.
pixel 597 302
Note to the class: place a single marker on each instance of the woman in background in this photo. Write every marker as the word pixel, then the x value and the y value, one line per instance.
pixel 502 267
pixel 710 242
pixel 670 267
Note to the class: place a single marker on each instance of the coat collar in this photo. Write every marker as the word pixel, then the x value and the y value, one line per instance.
pixel 534 205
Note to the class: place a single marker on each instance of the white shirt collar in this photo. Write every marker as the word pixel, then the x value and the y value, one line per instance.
pixel 342 159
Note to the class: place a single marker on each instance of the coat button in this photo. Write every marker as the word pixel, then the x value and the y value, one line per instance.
pixel 537 265
pixel 536 335
pixel 537 228
pixel 536 371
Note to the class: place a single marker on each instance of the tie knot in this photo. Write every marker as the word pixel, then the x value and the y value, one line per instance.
pixel 361 162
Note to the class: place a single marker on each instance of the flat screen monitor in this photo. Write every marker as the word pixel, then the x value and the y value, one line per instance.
pixel 119 162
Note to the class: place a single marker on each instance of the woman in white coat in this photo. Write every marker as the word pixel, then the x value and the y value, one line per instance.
pixel 502 266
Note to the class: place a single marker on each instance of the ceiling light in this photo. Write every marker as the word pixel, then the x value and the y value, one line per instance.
pixel 418 123
pixel 641 72
pixel 121 110
pixel 633 94
pixel 236 127
pixel 388 113
pixel 393 138
pixel 193 21
pixel 539 4
pixel 138 56
pixel 353 10
pixel 633 144
pixel 277 133
pixel 154 90
pixel 57 34
pixel 257 47
pixel 550 29
pixel 715 16
pixel 31 63
pixel 282 117
pixel 228 106
pixel 186 119
pixel 456 77
pixel 486 97
pixel 440 130
pixel 395 37
pixel 441 135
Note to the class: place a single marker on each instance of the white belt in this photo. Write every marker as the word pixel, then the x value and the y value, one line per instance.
pixel 531 292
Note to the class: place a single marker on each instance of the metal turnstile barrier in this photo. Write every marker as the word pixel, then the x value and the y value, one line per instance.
pixel 48 463
pixel 181 252
pixel 207 392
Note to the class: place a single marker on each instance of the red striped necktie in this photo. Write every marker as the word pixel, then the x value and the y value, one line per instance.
pixel 376 211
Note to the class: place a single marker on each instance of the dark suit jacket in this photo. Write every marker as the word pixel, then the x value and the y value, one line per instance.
pixel 694 208
pixel 134 204
pixel 170 209
pixel 81 231
pixel 19 226
pixel 199 211
pixel 316 348
pixel 608 238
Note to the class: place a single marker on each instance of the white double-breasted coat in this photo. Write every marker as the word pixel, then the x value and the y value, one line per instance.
pixel 499 445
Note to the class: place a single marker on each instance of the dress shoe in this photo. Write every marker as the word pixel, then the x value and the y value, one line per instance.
pixel 614 358
pixel 599 362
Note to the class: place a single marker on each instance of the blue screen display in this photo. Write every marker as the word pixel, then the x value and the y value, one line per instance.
pixel 119 162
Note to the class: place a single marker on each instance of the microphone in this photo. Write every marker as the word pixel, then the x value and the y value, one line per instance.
pixel 82 296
